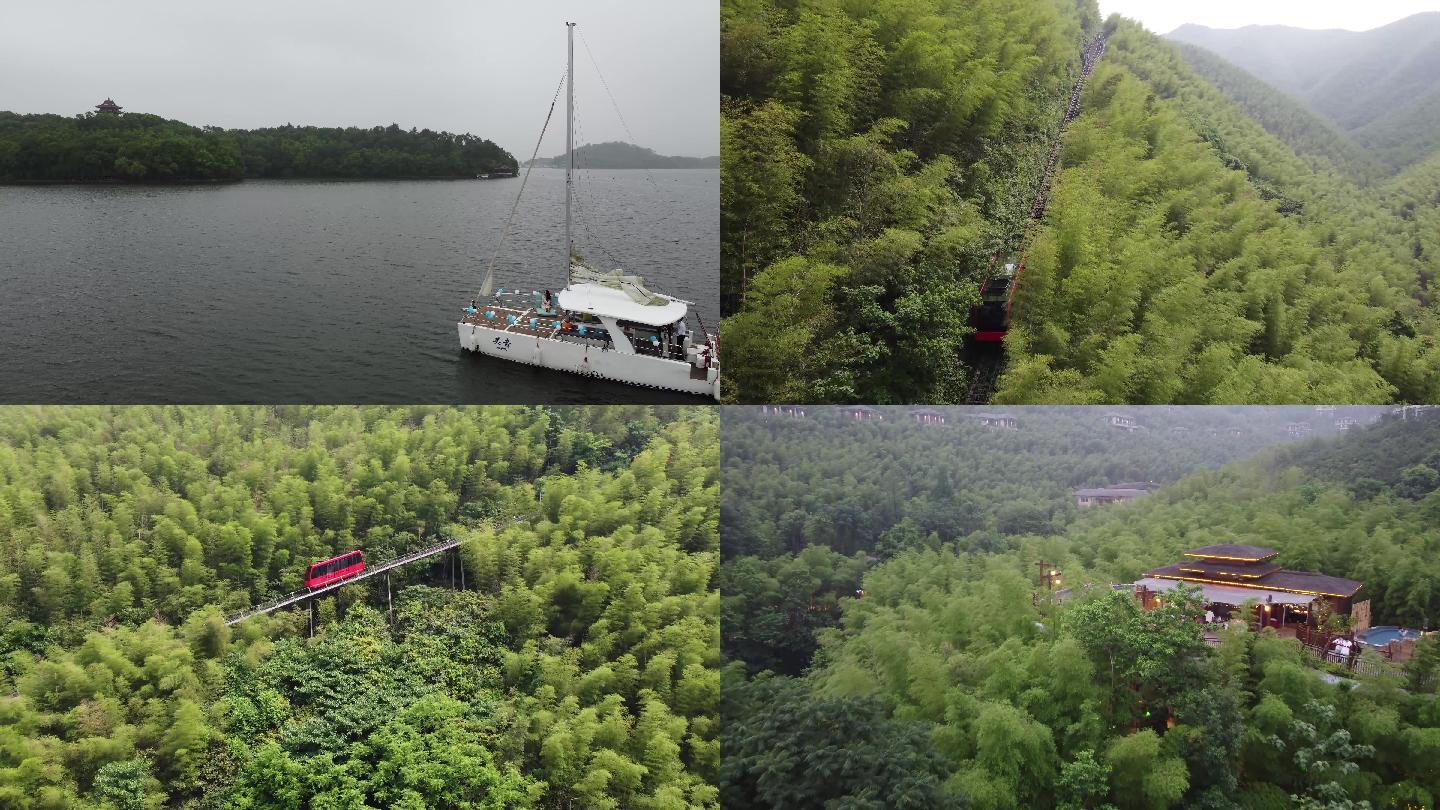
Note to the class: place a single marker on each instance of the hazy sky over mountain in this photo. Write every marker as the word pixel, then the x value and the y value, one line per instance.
pixel 489 68
pixel 1164 16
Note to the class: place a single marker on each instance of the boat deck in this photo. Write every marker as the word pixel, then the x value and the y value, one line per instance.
pixel 545 327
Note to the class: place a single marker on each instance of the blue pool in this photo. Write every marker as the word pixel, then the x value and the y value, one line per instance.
pixel 1380 636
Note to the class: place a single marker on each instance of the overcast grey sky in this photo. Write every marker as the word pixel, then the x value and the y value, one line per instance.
pixel 1164 16
pixel 488 67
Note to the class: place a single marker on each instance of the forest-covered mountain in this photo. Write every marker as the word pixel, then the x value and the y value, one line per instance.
pixel 619 155
pixel 138 147
pixel 577 667
pixel 1187 254
pixel 810 503
pixel 1378 86
pixel 934 676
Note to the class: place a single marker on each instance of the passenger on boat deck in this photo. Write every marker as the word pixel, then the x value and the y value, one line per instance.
pixel 549 307
pixel 682 333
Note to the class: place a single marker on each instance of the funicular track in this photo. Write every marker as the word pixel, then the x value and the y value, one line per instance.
pixel 986 361
pixel 298 597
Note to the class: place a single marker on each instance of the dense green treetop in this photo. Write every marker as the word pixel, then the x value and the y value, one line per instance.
pixel 142 147
pixel 579 667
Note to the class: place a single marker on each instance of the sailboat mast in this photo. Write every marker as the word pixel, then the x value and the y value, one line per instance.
pixel 569 141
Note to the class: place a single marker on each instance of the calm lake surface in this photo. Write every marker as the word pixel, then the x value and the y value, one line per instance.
pixel 317 291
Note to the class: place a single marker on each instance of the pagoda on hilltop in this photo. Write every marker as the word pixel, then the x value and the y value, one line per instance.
pixel 108 106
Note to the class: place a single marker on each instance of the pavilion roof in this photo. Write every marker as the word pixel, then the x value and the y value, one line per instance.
pixel 1279 579
pixel 1232 594
pixel 1109 492
pixel 1232 551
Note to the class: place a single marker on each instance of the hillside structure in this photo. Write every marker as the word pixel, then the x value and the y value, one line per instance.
pixel 998 420
pixel 928 416
pixel 1115 493
pixel 1231 574
pixel 862 413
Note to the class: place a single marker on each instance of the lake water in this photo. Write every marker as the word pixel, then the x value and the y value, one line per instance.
pixel 310 291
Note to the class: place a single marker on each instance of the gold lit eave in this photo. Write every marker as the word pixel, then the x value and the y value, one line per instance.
pixel 1255 586
pixel 1201 571
pixel 1234 559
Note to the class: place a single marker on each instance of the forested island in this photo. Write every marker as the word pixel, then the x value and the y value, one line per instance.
pixel 138 147
pixel 1202 242
pixel 889 641
pixel 620 155
pixel 571 662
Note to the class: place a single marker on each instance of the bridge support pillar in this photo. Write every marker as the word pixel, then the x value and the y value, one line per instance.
pixel 389 603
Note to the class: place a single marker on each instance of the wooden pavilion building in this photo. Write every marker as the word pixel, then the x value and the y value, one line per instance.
pixel 1229 575
pixel 108 106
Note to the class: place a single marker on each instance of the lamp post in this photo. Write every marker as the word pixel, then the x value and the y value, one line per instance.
pixel 1049 575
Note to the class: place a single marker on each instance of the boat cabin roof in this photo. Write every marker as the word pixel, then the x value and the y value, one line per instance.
pixel 610 302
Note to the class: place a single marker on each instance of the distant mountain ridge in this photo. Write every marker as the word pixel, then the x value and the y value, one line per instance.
pixel 621 155
pixel 1379 87
pixel 1312 136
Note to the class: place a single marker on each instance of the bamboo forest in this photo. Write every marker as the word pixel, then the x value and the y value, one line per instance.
pixel 967 608
pixel 1166 226
pixel 567 657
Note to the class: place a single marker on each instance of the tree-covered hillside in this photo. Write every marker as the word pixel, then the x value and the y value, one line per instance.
pixel 945 677
pixel 578 666
pixel 140 147
pixel 872 154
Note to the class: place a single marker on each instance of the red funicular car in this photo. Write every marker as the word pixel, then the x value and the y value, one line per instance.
pixel 334 569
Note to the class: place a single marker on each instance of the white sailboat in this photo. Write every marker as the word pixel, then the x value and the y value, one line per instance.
pixel 600 324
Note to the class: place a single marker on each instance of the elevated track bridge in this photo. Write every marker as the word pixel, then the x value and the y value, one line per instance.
pixel 308 595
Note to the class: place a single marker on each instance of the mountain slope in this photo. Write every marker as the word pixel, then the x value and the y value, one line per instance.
pixel 1190 256
pixel 1379 86
pixel 1311 136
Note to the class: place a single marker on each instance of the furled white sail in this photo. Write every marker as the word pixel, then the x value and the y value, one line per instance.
pixel 617 279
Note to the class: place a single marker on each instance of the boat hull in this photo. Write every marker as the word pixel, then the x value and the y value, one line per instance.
pixel 589 361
